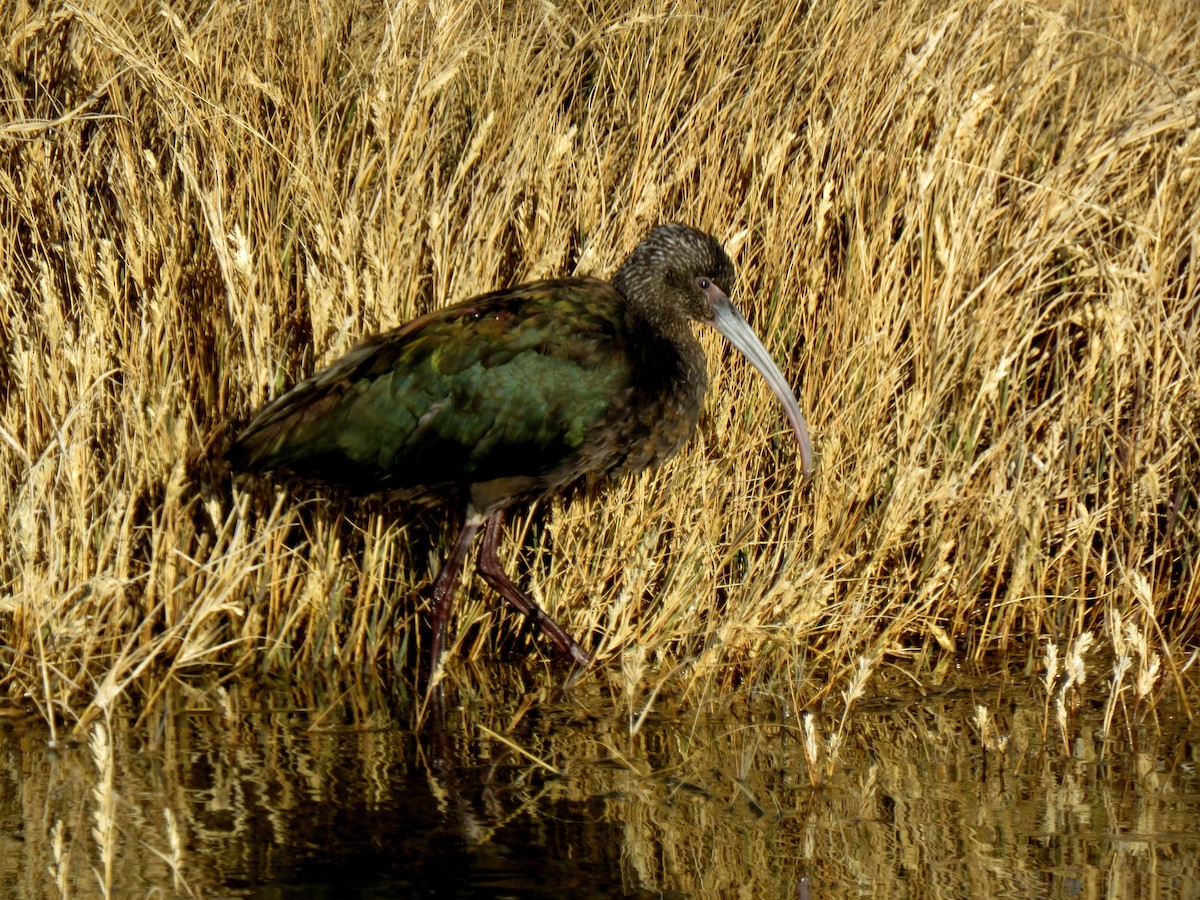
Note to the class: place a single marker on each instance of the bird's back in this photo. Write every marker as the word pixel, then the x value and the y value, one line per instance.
pixel 514 393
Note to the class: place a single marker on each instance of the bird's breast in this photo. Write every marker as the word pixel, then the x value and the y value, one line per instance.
pixel 659 414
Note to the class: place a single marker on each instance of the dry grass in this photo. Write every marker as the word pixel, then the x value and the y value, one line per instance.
pixel 968 232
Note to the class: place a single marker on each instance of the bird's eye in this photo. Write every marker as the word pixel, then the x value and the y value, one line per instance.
pixel 702 283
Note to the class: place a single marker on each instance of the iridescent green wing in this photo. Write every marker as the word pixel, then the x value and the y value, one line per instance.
pixel 509 383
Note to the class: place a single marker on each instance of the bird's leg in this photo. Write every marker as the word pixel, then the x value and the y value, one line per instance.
pixel 490 571
pixel 443 588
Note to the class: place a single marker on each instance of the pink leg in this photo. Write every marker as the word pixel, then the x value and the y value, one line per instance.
pixel 490 570
pixel 443 588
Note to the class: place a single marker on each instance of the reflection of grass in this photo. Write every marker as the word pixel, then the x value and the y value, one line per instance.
pixel 921 802
pixel 969 238
pixel 104 813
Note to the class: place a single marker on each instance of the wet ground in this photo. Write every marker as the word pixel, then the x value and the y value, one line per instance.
pixel 256 793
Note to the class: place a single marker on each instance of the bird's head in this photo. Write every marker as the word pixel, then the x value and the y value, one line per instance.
pixel 676 270
pixel 678 273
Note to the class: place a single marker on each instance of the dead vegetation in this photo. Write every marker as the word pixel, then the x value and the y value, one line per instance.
pixel 968 232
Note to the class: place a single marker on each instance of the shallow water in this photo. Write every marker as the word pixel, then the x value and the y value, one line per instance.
pixel 291 794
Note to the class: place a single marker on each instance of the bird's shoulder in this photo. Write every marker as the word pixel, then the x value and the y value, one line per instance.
pixel 576 324
pixel 573 318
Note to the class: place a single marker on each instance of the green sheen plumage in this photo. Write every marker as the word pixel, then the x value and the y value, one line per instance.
pixel 511 394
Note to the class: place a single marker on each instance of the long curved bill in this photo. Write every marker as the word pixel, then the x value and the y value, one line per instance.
pixel 728 321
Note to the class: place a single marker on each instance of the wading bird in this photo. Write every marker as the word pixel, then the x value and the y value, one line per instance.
pixel 516 395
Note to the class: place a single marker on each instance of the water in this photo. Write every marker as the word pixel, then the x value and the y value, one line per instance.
pixel 278 794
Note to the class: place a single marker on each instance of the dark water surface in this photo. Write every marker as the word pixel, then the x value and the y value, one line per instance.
pixel 285 794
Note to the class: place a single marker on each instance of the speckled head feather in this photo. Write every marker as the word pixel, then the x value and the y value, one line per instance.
pixel 659 275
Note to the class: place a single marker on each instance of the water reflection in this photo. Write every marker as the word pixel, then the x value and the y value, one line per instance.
pixel 261 793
